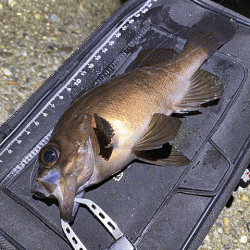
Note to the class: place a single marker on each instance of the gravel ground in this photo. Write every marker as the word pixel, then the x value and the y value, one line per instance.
pixel 37 36
pixel 232 228
pixel 35 39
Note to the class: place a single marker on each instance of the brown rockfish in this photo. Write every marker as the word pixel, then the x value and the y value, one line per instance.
pixel 128 117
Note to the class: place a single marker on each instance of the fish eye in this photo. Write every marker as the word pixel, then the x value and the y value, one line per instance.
pixel 49 155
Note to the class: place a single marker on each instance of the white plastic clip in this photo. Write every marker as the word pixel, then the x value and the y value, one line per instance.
pixel 108 223
pixel 73 239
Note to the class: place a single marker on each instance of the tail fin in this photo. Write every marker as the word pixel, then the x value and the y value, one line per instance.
pixel 210 33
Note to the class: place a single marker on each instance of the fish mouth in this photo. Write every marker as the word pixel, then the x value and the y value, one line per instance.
pixel 64 193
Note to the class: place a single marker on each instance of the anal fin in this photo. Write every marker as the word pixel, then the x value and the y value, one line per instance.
pixel 203 89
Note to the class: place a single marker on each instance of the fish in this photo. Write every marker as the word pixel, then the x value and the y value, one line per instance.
pixel 129 117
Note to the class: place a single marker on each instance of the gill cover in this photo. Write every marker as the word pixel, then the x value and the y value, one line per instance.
pixel 71 185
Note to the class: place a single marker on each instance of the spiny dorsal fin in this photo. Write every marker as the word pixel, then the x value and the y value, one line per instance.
pixel 104 133
pixel 167 155
pixel 203 88
pixel 160 130
pixel 153 56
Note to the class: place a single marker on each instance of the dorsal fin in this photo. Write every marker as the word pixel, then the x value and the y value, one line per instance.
pixel 203 88
pixel 153 56
pixel 160 130
pixel 104 133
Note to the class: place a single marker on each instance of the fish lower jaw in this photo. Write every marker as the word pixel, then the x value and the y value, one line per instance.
pixel 69 214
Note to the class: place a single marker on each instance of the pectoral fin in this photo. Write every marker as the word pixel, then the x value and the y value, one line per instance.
pixel 154 147
pixel 153 56
pixel 104 133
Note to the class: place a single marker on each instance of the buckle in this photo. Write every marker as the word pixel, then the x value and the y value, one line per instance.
pixel 121 241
